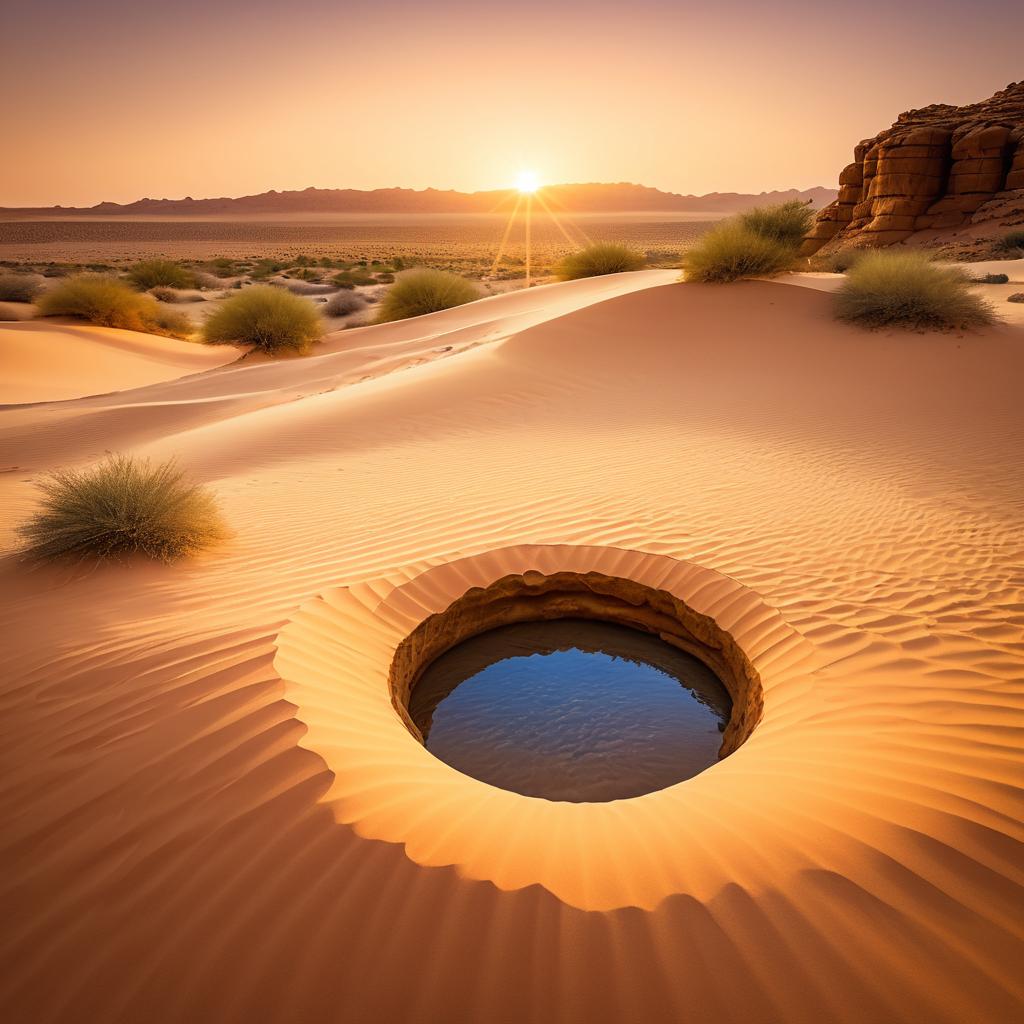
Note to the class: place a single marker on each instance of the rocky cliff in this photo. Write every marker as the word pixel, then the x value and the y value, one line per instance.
pixel 941 167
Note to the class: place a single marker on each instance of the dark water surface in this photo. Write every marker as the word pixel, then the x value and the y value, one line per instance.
pixel 571 710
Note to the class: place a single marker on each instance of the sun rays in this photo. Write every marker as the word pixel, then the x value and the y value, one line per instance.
pixel 528 188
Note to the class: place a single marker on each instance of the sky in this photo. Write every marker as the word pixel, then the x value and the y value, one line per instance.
pixel 116 100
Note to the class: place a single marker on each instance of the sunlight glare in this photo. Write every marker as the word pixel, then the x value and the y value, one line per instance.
pixel 527 182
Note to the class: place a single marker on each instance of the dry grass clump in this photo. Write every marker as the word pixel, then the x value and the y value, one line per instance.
pixel 425 291
pixel 108 302
pixel 19 287
pixel 121 507
pixel 304 287
pixel 730 251
pixel 1011 243
pixel 784 222
pixel 599 259
pixel 270 319
pixel 173 295
pixel 161 273
pixel 903 289
pixel 343 303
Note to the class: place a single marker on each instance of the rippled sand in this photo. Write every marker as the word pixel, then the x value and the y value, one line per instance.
pixel 191 836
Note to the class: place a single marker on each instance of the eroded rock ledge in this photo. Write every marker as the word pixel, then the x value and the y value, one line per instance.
pixel 533 597
pixel 937 167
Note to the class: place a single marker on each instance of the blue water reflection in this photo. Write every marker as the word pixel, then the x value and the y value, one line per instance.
pixel 571 710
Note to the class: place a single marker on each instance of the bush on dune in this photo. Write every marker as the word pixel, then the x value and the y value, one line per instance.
pixel 425 291
pixel 599 259
pixel 19 288
pixel 107 302
pixel 118 508
pixel 268 318
pixel 161 273
pixel 903 289
pixel 730 252
pixel 343 303
pixel 785 222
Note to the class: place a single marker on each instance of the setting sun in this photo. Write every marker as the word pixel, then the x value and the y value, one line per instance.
pixel 527 181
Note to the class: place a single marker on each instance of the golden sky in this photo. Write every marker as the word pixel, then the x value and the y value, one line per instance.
pixel 115 100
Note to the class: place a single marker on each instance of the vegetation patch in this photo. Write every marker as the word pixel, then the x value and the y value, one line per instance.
pixel 729 252
pixel 268 318
pixel 108 302
pixel 121 507
pixel 599 259
pixel 1012 242
pixel 787 223
pixel 344 303
pixel 19 287
pixel 161 273
pixel 904 289
pixel 425 291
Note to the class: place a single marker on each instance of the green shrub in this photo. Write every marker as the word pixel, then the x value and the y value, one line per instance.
pixel 19 287
pixel 730 251
pixel 268 318
pixel 599 259
pixel 785 222
pixel 343 303
pixel 121 507
pixel 111 303
pixel 1011 242
pixel 353 278
pixel 425 291
pixel 903 289
pixel 161 273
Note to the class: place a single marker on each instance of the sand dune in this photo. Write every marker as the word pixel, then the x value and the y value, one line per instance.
pixel 212 815
pixel 46 362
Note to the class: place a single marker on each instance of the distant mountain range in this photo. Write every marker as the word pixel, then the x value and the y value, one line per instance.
pixel 584 198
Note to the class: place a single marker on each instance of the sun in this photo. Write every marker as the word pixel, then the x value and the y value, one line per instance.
pixel 527 182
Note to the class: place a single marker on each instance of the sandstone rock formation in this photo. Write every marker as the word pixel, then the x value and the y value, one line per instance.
pixel 940 167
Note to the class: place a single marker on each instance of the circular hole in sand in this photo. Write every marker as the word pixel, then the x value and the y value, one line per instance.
pixel 575 686
pixel 571 709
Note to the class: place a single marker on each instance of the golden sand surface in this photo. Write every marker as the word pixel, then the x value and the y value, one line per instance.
pixel 213 813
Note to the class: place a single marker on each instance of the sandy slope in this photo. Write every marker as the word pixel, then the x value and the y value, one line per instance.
pixel 46 362
pixel 178 845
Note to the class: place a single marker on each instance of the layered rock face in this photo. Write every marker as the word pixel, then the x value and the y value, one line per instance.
pixel 938 167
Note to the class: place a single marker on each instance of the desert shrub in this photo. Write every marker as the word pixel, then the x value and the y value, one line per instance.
pixel 425 291
pixel 111 303
pixel 222 267
pixel 304 287
pixel 344 303
pixel 353 278
pixel 160 273
pixel 730 251
pixel 993 279
pixel 270 319
pixel 173 295
pixel 173 324
pixel 120 507
pixel 1011 242
pixel 19 287
pixel 385 278
pixel 904 289
pixel 784 222
pixel 598 259
pixel 1015 297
